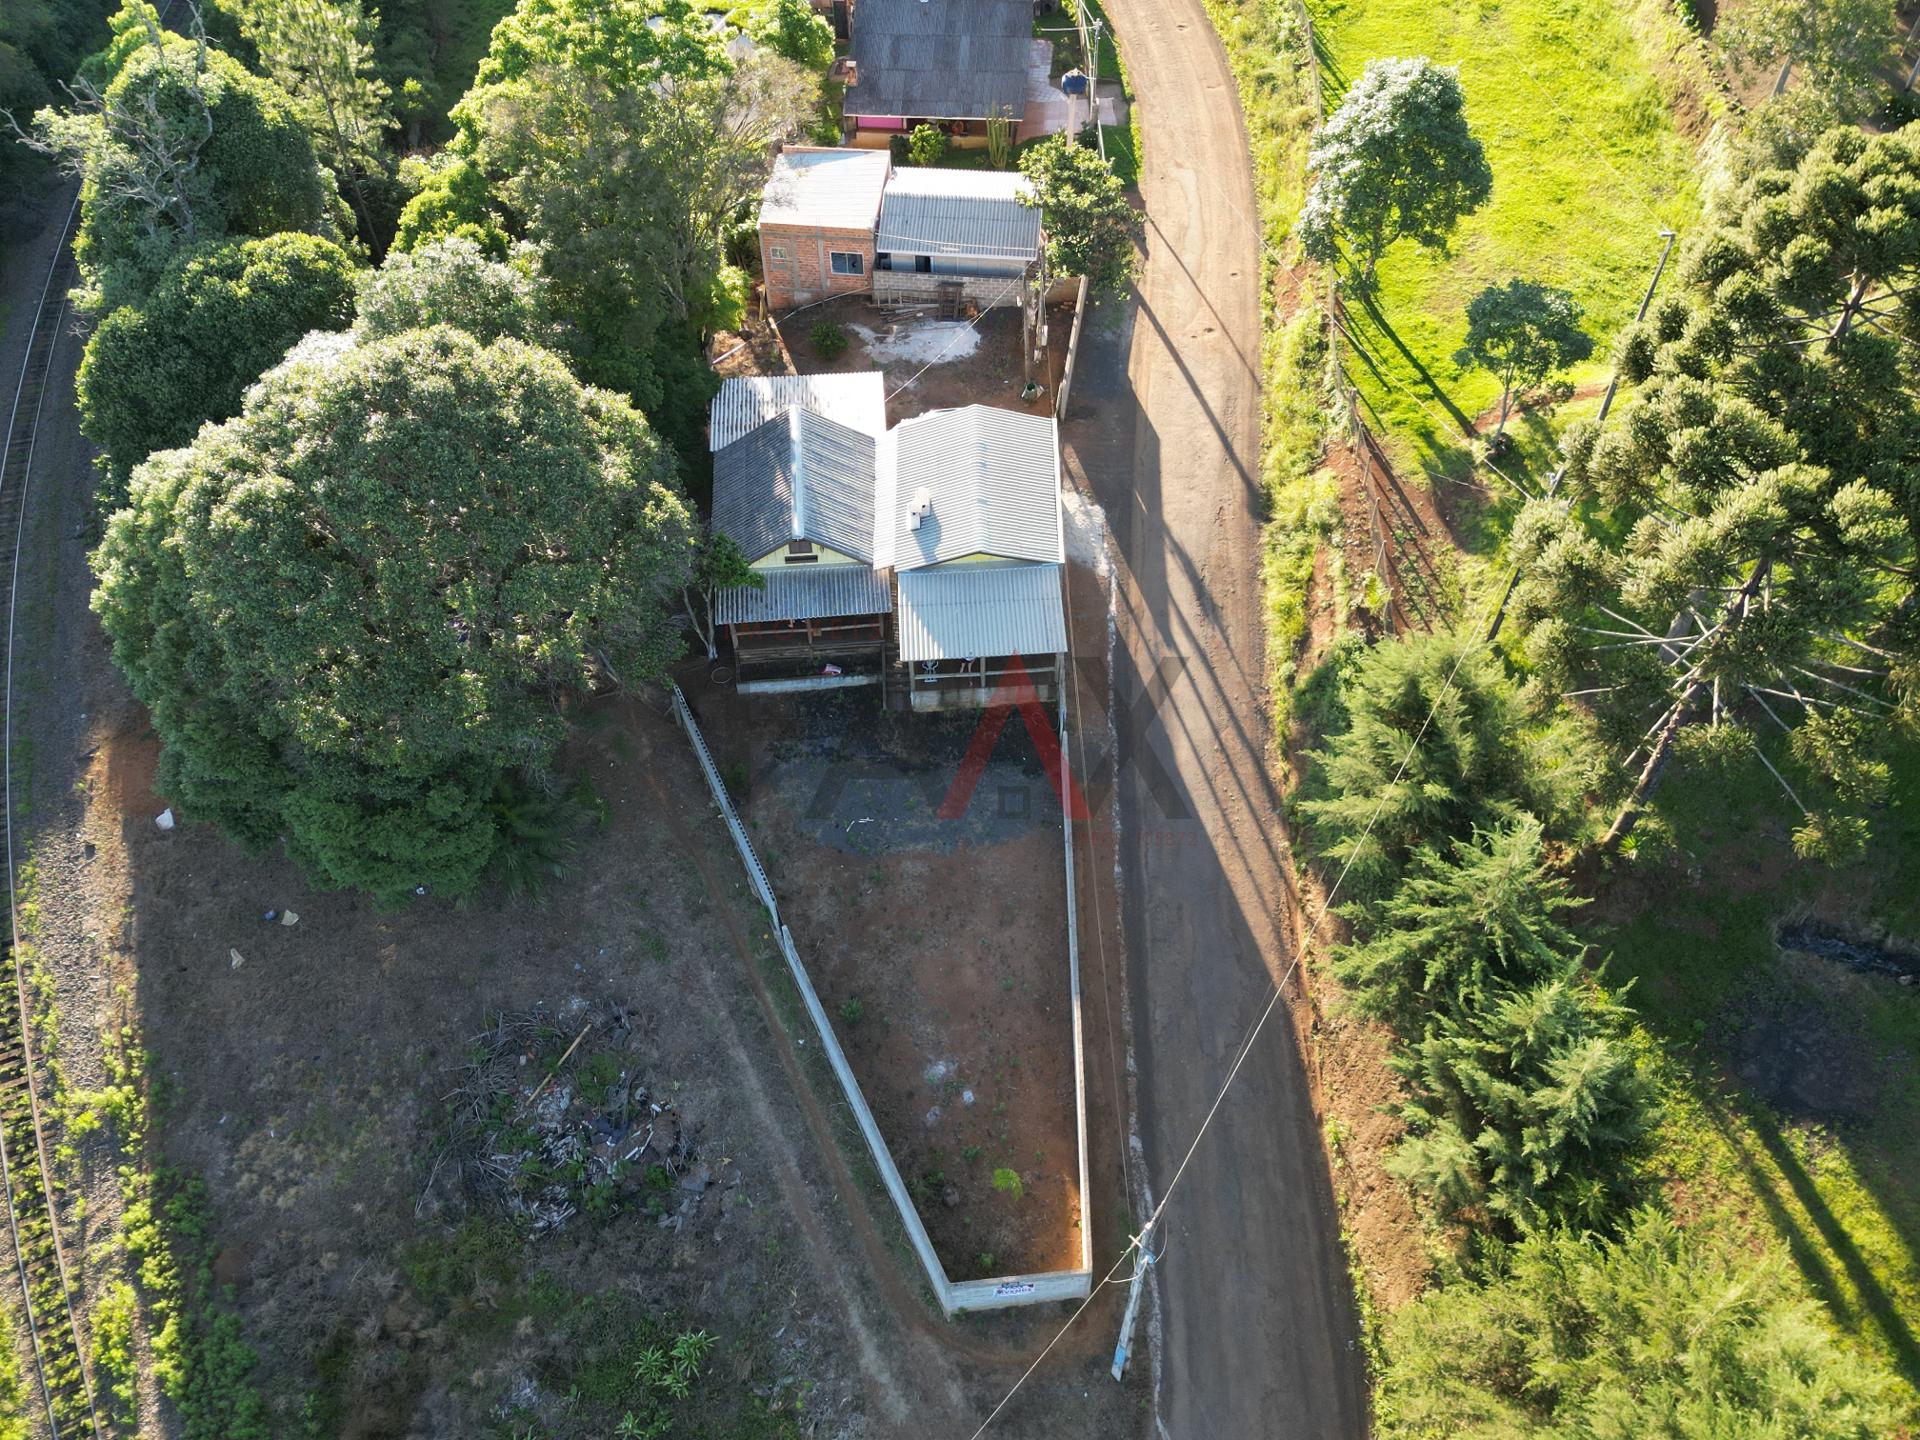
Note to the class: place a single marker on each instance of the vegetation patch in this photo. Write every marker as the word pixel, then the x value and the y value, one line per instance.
pixel 1588 167
pixel 549 1120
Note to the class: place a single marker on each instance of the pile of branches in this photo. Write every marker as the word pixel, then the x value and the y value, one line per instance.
pixel 549 1120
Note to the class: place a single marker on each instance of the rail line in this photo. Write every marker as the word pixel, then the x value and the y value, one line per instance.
pixel 40 1261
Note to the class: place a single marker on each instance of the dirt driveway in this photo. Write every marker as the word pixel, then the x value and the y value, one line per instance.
pixel 1259 1326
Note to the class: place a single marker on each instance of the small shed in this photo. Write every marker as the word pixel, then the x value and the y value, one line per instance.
pixel 817 213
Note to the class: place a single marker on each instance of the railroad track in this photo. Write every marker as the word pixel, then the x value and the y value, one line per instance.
pixel 63 1384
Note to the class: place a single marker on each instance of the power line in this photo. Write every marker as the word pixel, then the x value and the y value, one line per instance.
pixel 1468 645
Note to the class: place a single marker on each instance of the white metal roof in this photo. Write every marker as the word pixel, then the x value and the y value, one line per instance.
pixel 857 400
pixel 931 211
pixel 825 189
pixel 811 592
pixel 962 612
pixel 991 478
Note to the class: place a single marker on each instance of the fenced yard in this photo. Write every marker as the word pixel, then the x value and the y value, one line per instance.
pixel 918 864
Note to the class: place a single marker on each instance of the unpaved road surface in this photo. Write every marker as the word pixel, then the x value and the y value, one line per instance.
pixel 1259 1336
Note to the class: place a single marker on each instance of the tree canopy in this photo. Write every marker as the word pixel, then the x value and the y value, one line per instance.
pixel 622 141
pixel 321 53
pixel 1432 749
pixel 1660 1333
pixel 453 282
pixel 1756 566
pixel 795 31
pixel 182 145
pixel 1837 44
pixel 473 538
pixel 1090 227
pixel 221 315
pixel 1394 161
pixel 1523 331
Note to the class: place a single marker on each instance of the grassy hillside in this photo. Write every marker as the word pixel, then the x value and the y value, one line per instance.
pixel 1570 101
pixel 1791 1084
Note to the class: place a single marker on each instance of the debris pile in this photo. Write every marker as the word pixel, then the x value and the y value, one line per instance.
pixel 550 1120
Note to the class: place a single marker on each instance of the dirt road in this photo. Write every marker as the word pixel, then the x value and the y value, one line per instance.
pixel 1259 1337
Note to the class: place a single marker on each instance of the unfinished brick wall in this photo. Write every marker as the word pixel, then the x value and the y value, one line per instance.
pixel 796 262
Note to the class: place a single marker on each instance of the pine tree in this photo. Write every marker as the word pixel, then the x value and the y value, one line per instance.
pixel 1752 550
pixel 1434 749
pixel 1480 914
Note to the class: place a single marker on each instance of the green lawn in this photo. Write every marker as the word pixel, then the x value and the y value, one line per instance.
pixel 1567 98
pixel 1791 1086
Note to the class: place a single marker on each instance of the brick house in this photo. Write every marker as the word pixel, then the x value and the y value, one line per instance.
pixel 817 218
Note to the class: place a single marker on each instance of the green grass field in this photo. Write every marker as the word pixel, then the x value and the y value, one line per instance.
pixel 1790 1085
pixel 1567 97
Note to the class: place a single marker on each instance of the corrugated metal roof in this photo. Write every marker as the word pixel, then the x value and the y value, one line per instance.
pixel 933 211
pixel 746 402
pixel 992 477
pixel 798 476
pixel 810 592
pixel 825 189
pixel 961 612
pixel 941 59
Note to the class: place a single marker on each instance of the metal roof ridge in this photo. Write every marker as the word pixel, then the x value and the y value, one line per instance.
pixel 798 452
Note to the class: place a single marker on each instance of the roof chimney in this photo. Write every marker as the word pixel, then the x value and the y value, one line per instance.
pixel 921 507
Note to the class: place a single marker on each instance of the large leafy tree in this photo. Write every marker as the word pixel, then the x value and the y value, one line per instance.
pixel 1767 468
pixel 1838 44
pixel 220 316
pixel 359 610
pixel 622 140
pixel 453 282
pixel 1090 227
pixel 176 146
pixel 1394 161
pixel 41 41
pixel 1684 1336
pixel 1523 331
pixel 794 30
pixel 321 53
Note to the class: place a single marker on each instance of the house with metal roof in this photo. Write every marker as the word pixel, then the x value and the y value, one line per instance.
pixel 795 494
pixel 955 63
pixel 927 559
pixel 817 215
pixel 967 517
pixel 934 233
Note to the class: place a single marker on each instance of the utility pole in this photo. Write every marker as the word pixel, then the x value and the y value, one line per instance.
pixel 1143 1259
pixel 1606 404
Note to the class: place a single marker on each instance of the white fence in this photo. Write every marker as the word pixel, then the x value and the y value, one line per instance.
pixel 1004 1291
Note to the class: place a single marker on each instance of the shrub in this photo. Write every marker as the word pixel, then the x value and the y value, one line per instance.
pixel 926 145
pixel 829 340
pixel 1008 1182
pixel 1658 1333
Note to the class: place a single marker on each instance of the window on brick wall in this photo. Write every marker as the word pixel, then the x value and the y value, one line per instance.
pixel 777 254
pixel 848 262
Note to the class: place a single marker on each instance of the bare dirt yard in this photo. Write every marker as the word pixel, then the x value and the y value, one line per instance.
pixel 930 364
pixel 928 899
